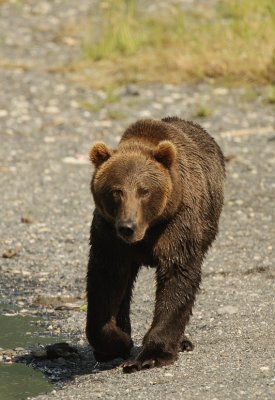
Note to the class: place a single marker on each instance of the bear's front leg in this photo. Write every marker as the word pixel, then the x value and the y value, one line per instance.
pixel 175 296
pixel 109 285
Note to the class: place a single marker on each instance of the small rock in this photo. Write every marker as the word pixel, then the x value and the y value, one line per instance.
pixel 79 159
pixel 157 106
pixel 176 96
pixel 57 350
pixel 132 90
pixel 227 310
pixel 52 110
pixel 167 100
pixel 145 114
pixel 24 311
pixel 9 253
pixel 39 353
pixel 230 157
pixel 7 314
pixel 8 354
pixel 3 113
pixel 61 361
pixel 221 91
pixel 49 139
pixel 68 306
pixel 264 369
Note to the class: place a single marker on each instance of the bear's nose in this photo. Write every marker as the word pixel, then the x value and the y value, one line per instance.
pixel 126 229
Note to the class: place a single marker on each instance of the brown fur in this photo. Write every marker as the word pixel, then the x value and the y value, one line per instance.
pixel 158 200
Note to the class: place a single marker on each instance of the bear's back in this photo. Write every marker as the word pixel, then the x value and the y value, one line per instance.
pixel 203 141
pixel 191 140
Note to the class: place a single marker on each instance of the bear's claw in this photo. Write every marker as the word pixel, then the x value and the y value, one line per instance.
pixel 186 344
pixel 135 365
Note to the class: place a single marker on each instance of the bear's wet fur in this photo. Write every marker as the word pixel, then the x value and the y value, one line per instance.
pixel 158 200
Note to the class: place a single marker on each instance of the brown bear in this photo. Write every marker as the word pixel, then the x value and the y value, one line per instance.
pixel 158 200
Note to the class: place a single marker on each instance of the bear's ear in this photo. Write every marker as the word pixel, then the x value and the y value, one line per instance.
pixel 165 153
pixel 99 153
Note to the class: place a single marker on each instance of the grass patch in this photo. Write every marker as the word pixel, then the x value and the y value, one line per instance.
pixel 110 97
pixel 202 112
pixel 270 95
pixel 115 115
pixel 83 307
pixel 90 106
pixel 235 42
pixel 251 94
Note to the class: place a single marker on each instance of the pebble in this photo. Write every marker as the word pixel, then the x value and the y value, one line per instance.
pixel 52 110
pixel 10 253
pixel 132 90
pixel 74 160
pixel 227 310
pixel 3 113
pixel 49 139
pixel 221 91
pixel 144 114
pixel 104 123
pixel 157 106
pixel 168 100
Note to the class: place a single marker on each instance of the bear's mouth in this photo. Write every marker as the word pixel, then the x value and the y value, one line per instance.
pixel 130 236
pixel 131 240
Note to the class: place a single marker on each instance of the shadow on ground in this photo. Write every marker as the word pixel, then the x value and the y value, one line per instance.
pixel 61 362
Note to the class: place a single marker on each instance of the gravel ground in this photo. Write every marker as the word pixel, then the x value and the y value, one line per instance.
pixel 46 130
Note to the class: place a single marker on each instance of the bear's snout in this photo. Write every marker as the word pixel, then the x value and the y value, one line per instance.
pixel 126 229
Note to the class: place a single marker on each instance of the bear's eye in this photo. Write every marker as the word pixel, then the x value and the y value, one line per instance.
pixel 143 192
pixel 116 193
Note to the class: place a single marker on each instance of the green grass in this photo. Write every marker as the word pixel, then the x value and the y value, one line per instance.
pixel 110 98
pixel 115 114
pixel 270 95
pixel 250 94
pixel 235 42
pixel 83 307
pixel 203 111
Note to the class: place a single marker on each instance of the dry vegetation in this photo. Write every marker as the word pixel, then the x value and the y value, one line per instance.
pixel 235 43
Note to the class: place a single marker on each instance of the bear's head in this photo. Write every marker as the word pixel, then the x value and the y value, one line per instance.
pixel 132 186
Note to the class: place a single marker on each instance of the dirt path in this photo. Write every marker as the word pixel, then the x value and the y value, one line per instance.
pixel 47 124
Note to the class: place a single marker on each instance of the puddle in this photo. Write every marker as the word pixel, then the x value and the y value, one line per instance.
pixel 21 331
pixel 19 381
